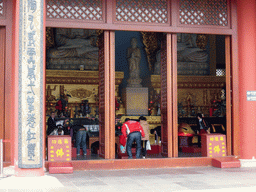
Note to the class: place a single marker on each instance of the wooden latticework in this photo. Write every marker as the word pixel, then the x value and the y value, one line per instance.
pixel 203 12
pixel 164 119
pixel 70 9
pixel 1 8
pixel 102 85
pixel 148 11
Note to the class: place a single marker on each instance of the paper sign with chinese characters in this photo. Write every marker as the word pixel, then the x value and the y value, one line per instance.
pixel 213 145
pixel 59 148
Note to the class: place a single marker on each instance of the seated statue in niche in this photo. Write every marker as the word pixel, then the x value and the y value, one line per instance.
pixel 191 59
pixel 134 57
pixel 73 47
pixel 188 51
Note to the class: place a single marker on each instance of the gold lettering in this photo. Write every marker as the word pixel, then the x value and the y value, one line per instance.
pixel 216 149
pixel 59 152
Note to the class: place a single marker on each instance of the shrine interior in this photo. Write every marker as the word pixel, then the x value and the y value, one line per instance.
pixel 72 85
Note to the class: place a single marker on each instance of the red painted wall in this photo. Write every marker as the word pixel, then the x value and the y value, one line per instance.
pixel 247 77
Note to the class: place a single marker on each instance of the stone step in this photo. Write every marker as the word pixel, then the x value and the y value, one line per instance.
pixel 226 162
pixel 60 167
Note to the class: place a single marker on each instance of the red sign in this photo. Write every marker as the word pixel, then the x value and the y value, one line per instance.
pixel 213 145
pixel 59 148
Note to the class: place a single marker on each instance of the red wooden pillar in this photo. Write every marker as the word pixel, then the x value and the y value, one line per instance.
pixel 247 76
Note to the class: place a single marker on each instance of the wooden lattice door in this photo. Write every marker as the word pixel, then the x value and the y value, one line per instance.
pixel 103 43
pixel 166 111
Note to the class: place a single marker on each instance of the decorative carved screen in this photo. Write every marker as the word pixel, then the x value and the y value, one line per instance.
pixel 203 12
pixel 2 8
pixel 70 9
pixel 102 84
pixel 147 11
pixel 164 136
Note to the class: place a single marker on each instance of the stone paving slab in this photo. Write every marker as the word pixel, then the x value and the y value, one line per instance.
pixel 192 179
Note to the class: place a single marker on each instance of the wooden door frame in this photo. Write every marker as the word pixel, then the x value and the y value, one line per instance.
pixel 2 82
pixel 174 99
pixel 228 94
pixel 112 95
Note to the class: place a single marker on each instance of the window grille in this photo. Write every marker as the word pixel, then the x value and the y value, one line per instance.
pixel 220 72
pixel 1 8
pixel 203 12
pixel 75 9
pixel 147 11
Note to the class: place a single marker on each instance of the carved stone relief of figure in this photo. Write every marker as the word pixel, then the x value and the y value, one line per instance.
pixel 74 47
pixel 188 50
pixel 192 60
pixel 134 57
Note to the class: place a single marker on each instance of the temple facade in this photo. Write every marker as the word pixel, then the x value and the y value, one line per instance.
pixel 40 65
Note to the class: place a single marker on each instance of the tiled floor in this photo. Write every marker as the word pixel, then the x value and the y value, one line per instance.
pixel 168 179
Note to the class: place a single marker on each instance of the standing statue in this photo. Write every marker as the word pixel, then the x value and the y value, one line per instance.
pixel 157 69
pixel 134 57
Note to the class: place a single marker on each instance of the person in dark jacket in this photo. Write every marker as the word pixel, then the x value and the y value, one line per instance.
pixel 51 122
pixel 157 132
pixel 202 125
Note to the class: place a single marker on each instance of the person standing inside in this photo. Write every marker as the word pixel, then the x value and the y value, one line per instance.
pixel 202 125
pixel 144 124
pixel 51 122
pixel 80 135
pixel 133 131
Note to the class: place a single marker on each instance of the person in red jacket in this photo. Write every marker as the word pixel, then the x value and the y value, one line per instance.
pixel 133 131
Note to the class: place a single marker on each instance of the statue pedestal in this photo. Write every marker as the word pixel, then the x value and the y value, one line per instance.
pixel 136 101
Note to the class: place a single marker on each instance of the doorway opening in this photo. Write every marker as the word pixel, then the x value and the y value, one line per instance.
pixel 72 88
pixel 138 58
pixel 202 85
